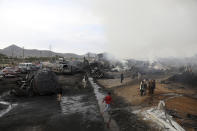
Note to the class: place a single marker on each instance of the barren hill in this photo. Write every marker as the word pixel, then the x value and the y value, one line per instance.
pixel 16 51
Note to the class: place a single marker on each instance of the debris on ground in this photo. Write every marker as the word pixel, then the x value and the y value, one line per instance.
pixel 160 116
pixel 188 78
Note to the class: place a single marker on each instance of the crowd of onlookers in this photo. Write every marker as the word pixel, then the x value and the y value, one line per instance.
pixel 149 85
pixel 145 85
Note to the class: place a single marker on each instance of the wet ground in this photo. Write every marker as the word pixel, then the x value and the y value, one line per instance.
pixel 122 110
pixel 181 102
pixel 78 110
pixel 108 119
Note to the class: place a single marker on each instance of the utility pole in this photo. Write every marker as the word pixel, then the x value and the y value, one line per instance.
pixel 12 56
pixel 88 56
pixel 12 51
pixel 50 52
pixel 23 53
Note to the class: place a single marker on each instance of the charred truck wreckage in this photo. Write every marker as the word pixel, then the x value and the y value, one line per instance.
pixel 44 81
pixel 41 82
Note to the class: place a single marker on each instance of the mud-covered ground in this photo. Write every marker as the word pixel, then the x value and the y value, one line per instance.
pixel 127 121
pixel 122 112
pixel 78 110
pixel 180 100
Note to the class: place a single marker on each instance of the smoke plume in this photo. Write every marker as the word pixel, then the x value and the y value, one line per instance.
pixel 148 29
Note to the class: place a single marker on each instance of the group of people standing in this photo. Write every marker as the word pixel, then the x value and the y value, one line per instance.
pixel 149 85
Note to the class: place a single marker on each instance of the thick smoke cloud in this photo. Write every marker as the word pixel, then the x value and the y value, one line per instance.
pixel 149 28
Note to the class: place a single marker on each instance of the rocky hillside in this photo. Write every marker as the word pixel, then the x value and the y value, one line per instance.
pixel 16 51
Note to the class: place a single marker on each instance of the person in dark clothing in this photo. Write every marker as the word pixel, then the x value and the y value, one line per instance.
pixel 153 86
pixel 142 88
pixel 150 87
pixel 86 77
pixel 145 86
pixel 121 77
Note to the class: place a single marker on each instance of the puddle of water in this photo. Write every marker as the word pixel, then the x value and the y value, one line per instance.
pixel 4 103
pixel 77 104
pixel 9 107
pixel 4 94
pixel 72 104
pixel 107 117
pixel 171 94
pixel 8 104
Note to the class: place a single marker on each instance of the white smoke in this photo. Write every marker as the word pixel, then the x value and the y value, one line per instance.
pixel 149 28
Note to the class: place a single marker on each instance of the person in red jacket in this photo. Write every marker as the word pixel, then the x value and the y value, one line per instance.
pixel 107 100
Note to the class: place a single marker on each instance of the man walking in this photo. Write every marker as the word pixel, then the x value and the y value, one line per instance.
pixel 107 100
pixel 121 77
pixel 142 88
pixel 150 87
pixel 145 86
pixel 153 86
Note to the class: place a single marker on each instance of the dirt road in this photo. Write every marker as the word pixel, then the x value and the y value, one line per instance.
pixel 181 102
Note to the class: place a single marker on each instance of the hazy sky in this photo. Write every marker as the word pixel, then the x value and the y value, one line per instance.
pixel 125 28
pixel 66 25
